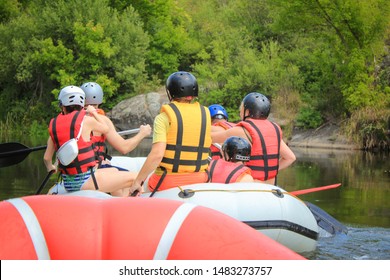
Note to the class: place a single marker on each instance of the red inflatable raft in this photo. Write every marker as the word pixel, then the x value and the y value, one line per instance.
pixel 79 227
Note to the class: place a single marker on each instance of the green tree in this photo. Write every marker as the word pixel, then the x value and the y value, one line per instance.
pixel 171 48
pixel 57 43
pixel 235 57
pixel 351 32
pixel 8 9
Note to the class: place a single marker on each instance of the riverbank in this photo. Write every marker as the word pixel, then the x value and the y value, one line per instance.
pixel 327 136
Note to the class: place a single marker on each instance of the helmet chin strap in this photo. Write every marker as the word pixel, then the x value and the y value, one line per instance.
pixel 246 117
pixel 169 96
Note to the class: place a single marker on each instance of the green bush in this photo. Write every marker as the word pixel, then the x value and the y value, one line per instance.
pixel 308 118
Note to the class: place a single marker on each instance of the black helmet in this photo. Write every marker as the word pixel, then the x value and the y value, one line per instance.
pixel 181 84
pixel 236 149
pixel 257 104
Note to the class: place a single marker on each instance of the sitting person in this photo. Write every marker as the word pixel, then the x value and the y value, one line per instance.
pixel 181 138
pixel 219 122
pixel 230 169
pixel 269 153
pixel 94 97
pixel 82 173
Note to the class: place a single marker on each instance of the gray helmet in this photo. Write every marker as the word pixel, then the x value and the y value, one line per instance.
pixel 257 104
pixel 236 149
pixel 71 95
pixel 93 93
pixel 180 84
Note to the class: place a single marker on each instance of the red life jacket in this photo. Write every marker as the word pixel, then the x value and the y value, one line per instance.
pixel 99 143
pixel 215 152
pixel 65 127
pixel 100 147
pixel 221 171
pixel 265 152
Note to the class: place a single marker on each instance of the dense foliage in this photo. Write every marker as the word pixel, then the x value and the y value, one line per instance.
pixel 318 60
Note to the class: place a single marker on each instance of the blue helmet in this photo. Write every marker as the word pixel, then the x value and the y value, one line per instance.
pixel 218 112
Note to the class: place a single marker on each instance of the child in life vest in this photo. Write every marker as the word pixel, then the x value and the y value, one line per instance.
pixel 231 168
pixel 219 122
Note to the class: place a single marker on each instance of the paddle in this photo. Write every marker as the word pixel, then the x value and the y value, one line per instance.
pixel 311 190
pixel 326 221
pixel 38 191
pixel 13 153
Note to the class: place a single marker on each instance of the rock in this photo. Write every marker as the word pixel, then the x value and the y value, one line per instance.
pixel 138 110
pixel 327 136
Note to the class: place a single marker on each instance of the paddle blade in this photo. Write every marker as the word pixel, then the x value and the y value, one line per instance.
pixel 13 153
pixel 326 221
pixel 11 146
pixel 11 160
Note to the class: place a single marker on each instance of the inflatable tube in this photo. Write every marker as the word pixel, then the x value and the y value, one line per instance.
pixel 267 208
pixel 75 227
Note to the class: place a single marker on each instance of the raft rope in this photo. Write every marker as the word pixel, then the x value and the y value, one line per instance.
pixel 171 230
pixel 277 192
pixel 33 227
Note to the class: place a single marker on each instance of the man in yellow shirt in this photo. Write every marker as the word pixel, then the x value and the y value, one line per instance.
pixel 181 138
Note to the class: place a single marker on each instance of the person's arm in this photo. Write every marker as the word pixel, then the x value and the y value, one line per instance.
pixel 287 156
pixel 94 122
pixel 48 156
pixel 125 146
pixel 160 128
pixel 221 136
pixel 245 178
pixel 151 163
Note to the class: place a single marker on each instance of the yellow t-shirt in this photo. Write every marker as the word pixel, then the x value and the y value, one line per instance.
pixel 160 128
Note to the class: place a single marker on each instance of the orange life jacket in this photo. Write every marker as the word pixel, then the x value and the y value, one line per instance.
pixel 215 152
pixel 65 127
pixel 221 171
pixel 265 152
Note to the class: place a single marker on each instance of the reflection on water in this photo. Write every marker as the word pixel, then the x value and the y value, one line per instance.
pixel 362 202
pixel 363 196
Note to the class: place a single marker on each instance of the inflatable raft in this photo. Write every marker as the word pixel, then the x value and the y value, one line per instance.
pixel 89 225
pixel 266 208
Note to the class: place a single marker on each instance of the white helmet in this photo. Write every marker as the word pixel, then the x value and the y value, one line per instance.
pixel 93 93
pixel 71 95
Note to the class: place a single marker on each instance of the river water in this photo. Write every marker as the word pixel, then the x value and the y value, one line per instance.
pixel 362 202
